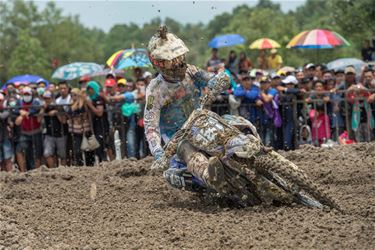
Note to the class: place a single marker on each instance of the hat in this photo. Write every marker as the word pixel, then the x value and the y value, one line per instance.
pixel 264 79
pixel 122 81
pixel 27 90
pixel 309 66
pixel 75 91
pixel 147 74
pixel 338 71
pixel 273 51
pixel 110 83
pixel 350 70
pixel 290 80
pixel 274 76
pixel 84 79
pixel 47 94
pixel 40 80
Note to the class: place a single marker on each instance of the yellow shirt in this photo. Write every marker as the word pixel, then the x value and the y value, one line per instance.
pixel 275 62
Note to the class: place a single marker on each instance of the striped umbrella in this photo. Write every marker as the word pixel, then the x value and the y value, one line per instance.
pixel 317 39
pixel 129 58
pixel 264 43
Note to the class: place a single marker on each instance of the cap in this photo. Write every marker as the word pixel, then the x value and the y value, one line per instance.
pixel 290 80
pixel 350 70
pixel 273 51
pixel 147 74
pixel 110 83
pixel 275 76
pixel 84 79
pixel 339 71
pixel 122 81
pixel 310 65
pixel 40 80
pixel 264 79
pixel 27 90
pixel 47 94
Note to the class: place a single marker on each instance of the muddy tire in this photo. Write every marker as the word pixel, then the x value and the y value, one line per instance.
pixel 276 163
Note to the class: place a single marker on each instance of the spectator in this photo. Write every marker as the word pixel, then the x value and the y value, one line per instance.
pixel 137 73
pixel 300 76
pixel 274 61
pixel 31 139
pixel 83 82
pixel 130 118
pixel 350 76
pixel 336 117
pixel 362 121
pixel 55 138
pixel 368 77
pixel 327 75
pixel 339 80
pixel 97 117
pixel 244 64
pixel 320 128
pixel 249 95
pixel 367 51
pixel 147 76
pixel 310 71
pixel 6 149
pixel 269 116
pixel 232 63
pixel 262 60
pixel 140 96
pixel 289 96
pixel 371 100
pixel 79 126
pixel 214 59
pixel 15 132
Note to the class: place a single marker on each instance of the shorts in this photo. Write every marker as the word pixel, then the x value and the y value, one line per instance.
pixel 6 150
pixel 32 144
pixel 55 144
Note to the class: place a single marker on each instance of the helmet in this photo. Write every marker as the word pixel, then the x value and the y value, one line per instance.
pixel 167 55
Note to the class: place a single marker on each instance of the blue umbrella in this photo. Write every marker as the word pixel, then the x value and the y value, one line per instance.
pixel 226 41
pixel 133 58
pixel 76 70
pixel 26 79
pixel 342 63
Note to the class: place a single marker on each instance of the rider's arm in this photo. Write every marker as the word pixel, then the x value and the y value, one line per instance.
pixel 152 119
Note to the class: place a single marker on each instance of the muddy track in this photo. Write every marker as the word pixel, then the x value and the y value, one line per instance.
pixel 125 205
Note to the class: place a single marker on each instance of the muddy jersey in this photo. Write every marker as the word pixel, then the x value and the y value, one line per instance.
pixel 168 105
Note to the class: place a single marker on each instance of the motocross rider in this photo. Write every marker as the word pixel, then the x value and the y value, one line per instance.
pixel 170 99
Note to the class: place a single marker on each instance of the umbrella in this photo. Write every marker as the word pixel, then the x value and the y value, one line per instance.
pixel 342 63
pixel 264 43
pixel 129 58
pixel 107 71
pixel 317 39
pixel 26 79
pixel 226 41
pixel 76 70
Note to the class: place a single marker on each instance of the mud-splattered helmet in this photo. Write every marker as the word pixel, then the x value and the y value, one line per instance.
pixel 167 55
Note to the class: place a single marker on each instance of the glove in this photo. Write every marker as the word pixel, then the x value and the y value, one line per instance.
pixel 129 97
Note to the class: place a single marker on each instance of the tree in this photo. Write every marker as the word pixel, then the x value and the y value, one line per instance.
pixel 28 57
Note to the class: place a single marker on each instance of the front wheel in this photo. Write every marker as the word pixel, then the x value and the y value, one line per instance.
pixel 275 163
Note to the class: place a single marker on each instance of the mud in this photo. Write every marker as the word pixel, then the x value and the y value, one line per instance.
pixel 125 205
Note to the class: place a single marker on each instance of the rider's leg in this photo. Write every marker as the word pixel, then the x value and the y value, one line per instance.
pixel 209 170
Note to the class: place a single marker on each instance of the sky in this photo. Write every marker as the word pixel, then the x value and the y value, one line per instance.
pixel 104 14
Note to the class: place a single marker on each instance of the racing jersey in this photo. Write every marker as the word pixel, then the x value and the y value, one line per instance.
pixel 168 105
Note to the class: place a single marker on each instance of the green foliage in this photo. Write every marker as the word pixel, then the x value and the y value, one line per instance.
pixel 28 57
pixel 31 39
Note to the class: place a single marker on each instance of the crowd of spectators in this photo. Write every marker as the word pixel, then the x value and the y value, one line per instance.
pixel 78 124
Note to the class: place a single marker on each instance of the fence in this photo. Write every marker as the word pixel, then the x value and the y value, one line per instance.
pixel 314 123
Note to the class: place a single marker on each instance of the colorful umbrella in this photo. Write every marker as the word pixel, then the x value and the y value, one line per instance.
pixel 107 71
pixel 129 58
pixel 264 43
pixel 76 70
pixel 342 63
pixel 317 39
pixel 226 41
pixel 26 79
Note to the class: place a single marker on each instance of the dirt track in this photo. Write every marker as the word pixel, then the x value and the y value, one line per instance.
pixel 123 205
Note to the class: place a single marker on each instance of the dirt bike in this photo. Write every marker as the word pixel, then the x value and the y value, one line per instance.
pixel 253 173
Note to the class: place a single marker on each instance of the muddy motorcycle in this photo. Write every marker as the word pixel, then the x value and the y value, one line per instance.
pixel 253 173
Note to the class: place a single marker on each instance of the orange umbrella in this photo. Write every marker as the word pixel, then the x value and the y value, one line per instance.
pixel 264 43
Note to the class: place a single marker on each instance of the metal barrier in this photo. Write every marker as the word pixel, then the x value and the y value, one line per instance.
pixel 312 123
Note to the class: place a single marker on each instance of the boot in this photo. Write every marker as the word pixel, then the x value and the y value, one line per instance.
pixel 215 174
pixel 185 150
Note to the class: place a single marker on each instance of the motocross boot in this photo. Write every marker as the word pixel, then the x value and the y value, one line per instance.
pixel 210 171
